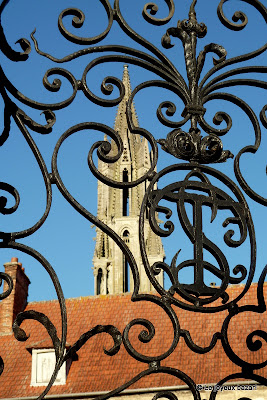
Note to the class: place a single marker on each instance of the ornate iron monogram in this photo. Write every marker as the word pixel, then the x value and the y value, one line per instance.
pixel 199 293
pixel 197 189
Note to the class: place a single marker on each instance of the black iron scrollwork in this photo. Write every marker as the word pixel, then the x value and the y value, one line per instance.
pixel 202 186
pixel 180 193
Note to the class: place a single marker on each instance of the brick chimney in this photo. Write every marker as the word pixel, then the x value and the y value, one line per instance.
pixel 17 300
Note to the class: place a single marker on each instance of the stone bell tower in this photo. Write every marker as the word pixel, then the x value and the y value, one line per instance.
pixel 120 208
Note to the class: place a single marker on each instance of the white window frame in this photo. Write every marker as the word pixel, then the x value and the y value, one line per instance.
pixel 61 377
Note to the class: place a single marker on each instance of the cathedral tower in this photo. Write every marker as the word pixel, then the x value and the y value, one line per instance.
pixel 120 208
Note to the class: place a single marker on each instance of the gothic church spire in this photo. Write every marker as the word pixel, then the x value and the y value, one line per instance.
pixel 120 209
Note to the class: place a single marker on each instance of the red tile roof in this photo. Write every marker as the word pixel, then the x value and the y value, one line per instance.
pixel 95 371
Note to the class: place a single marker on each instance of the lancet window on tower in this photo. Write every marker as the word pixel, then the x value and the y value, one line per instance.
pixel 125 194
pixel 107 281
pixel 126 236
pixel 99 281
pixel 103 247
pixel 126 268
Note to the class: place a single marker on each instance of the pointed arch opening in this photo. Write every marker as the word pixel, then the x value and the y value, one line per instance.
pixel 125 194
pixel 125 264
pixel 108 279
pixel 103 247
pixel 99 281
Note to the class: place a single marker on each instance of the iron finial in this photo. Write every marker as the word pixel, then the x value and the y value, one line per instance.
pixel 192 12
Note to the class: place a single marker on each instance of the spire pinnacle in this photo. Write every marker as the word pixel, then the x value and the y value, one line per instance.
pixel 121 113
pixel 126 82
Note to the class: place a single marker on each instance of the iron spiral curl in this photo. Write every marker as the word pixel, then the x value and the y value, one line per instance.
pixel 196 93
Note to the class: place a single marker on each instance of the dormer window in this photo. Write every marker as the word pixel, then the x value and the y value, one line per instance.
pixel 43 365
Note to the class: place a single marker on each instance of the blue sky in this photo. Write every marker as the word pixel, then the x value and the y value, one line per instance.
pixel 66 238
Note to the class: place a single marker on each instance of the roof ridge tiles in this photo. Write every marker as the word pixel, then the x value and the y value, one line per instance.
pixel 127 294
pixel 101 296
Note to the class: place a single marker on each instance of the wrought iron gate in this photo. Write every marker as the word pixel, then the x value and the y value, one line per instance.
pixel 202 186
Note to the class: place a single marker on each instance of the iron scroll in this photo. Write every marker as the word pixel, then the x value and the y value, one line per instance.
pixel 192 139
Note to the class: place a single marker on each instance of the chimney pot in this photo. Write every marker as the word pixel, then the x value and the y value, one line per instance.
pixel 14 259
